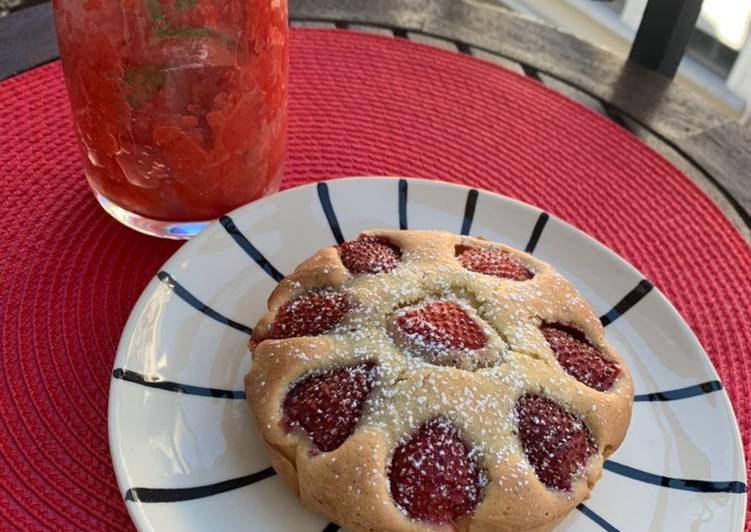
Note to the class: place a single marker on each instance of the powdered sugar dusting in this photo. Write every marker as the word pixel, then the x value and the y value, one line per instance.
pixel 369 254
pixel 556 443
pixel 441 354
pixel 327 405
pixel 579 357
pixel 434 475
pixel 492 261
pixel 310 315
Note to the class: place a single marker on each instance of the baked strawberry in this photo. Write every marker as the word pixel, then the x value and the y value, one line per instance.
pixel 327 405
pixel 310 315
pixel 491 261
pixel 440 326
pixel 579 357
pixel 369 254
pixel 434 475
pixel 556 443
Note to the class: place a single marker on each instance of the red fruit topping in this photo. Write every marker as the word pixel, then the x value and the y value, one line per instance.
pixel 439 326
pixel 434 475
pixel 491 261
pixel 556 443
pixel 580 358
pixel 310 315
pixel 369 254
pixel 327 405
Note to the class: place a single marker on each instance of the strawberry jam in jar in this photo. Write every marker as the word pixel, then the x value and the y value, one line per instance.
pixel 180 106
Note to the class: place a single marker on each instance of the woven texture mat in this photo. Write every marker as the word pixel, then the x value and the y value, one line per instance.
pixel 359 105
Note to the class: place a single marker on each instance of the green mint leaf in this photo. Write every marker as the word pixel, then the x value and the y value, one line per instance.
pixel 142 83
pixel 154 9
pixel 184 5
pixel 196 32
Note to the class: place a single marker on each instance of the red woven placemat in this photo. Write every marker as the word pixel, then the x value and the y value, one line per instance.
pixel 359 105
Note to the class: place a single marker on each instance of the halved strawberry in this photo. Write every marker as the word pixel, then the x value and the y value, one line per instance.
pixel 579 357
pixel 556 443
pixel 434 475
pixel 369 254
pixel 491 261
pixel 328 405
pixel 440 326
pixel 310 315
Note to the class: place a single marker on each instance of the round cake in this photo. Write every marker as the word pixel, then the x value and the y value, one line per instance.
pixel 420 380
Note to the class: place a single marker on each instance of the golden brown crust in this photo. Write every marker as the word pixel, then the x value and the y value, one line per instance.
pixel 283 467
pixel 350 485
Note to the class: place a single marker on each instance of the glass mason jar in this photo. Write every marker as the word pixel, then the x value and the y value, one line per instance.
pixel 180 106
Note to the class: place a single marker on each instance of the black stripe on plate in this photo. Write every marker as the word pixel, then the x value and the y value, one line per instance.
pixel 702 486
pixel 328 210
pixel 469 211
pixel 536 232
pixel 199 305
pixel 596 518
pixel 629 300
pixel 402 204
pixel 249 248
pixel 681 393
pixel 331 527
pixel 197 492
pixel 156 382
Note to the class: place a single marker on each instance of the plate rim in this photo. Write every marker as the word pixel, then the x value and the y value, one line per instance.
pixel 139 518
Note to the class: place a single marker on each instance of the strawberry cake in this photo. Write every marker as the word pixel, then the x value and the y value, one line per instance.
pixel 420 380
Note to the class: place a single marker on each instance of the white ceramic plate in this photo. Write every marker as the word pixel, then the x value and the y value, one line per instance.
pixel 183 443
